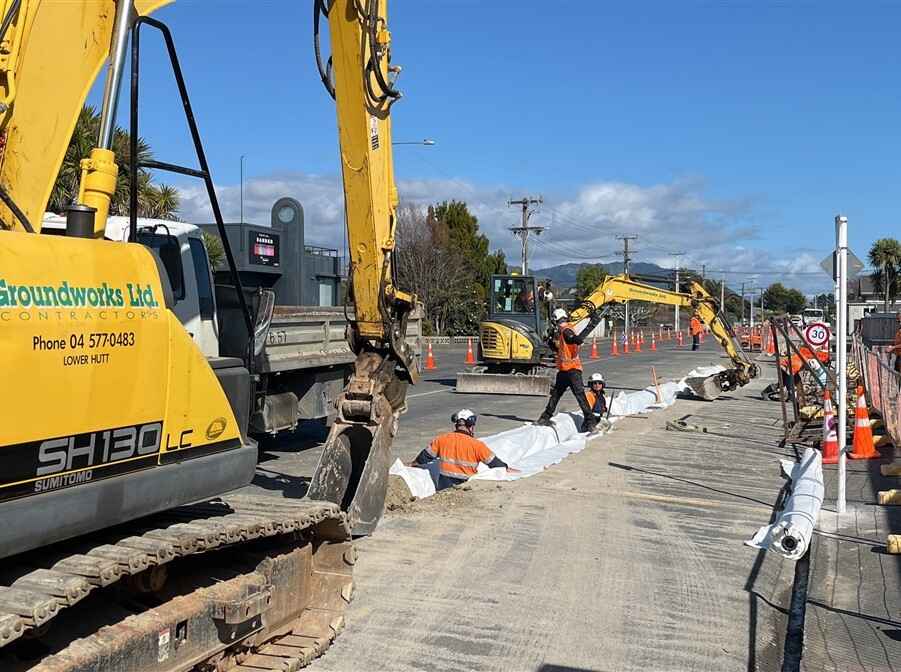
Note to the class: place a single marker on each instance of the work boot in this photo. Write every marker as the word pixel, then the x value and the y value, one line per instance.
pixel 544 421
pixel 590 426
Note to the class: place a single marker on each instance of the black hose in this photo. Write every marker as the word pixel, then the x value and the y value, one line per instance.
pixel 325 72
pixel 8 19
pixel 11 204
pixel 374 51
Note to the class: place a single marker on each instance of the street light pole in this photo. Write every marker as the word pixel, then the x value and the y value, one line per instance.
pixel 428 142
pixel 243 156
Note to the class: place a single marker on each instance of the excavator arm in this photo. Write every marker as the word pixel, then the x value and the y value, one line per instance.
pixel 353 467
pixel 50 55
pixel 621 288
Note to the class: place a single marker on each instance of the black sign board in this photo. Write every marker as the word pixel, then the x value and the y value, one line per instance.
pixel 263 248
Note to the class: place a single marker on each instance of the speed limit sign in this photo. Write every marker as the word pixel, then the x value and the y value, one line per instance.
pixel 817 334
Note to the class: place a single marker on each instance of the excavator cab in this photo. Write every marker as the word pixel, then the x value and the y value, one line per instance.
pixel 509 337
pixel 512 353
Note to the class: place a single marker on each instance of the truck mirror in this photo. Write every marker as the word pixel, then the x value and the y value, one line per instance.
pixel 263 320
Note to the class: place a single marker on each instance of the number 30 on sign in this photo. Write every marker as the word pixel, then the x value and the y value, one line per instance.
pixel 817 334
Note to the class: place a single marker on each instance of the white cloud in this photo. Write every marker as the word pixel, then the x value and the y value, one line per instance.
pixel 582 227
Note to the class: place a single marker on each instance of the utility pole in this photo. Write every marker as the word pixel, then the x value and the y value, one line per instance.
pixel 524 229
pixel 742 304
pixel 703 272
pixel 885 285
pixel 626 260
pixel 676 256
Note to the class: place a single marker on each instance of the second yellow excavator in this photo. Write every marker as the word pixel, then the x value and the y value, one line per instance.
pixel 614 289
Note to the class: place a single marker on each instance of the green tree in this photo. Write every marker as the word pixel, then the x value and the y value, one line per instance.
pixel 159 202
pixel 214 250
pixel 445 261
pixel 885 257
pixel 588 278
pixel 780 299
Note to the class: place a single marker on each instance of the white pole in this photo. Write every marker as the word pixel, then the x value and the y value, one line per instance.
pixel 676 312
pixel 723 295
pixel 752 307
pixel 841 353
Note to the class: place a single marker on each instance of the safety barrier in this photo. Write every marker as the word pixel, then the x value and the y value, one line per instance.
pixel 881 383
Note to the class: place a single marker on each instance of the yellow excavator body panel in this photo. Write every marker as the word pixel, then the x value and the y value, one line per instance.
pixel 101 379
pixel 500 342
pixel 53 53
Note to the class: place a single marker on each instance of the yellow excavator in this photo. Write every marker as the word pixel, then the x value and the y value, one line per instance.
pixel 503 334
pixel 120 549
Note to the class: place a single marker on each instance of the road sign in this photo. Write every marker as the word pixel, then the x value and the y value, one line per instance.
pixel 855 265
pixel 817 334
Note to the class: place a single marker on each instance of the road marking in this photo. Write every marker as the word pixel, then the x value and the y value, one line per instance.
pixel 425 394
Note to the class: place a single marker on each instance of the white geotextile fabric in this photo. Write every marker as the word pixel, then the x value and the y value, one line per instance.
pixel 790 534
pixel 532 449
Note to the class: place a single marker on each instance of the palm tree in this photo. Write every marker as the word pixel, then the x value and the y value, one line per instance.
pixel 885 257
pixel 159 202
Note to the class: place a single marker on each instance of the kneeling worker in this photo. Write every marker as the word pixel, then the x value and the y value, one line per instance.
pixel 458 452
pixel 569 368
pixel 595 396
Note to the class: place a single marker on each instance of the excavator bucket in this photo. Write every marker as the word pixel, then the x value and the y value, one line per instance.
pixel 503 383
pixel 711 387
pixel 353 467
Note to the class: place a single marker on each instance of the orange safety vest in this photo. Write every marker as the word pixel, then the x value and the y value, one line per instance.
pixel 695 326
pixel 567 354
pixel 459 454
pixel 592 399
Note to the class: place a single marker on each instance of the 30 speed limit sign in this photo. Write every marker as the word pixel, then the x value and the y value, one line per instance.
pixel 817 334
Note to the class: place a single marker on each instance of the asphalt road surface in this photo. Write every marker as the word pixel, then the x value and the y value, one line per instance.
pixel 287 463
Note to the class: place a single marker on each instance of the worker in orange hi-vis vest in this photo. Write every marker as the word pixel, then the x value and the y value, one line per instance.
pixel 595 395
pixel 569 368
pixel 896 348
pixel 457 454
pixel 695 328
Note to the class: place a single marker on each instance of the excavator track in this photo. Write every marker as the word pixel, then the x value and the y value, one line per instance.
pixel 235 583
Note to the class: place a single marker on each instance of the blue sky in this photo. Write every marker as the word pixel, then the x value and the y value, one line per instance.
pixel 732 131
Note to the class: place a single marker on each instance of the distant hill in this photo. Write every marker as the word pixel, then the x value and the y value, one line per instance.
pixel 564 275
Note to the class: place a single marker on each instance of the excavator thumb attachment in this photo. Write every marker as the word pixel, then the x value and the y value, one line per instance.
pixel 353 467
pixel 710 387
pixel 503 383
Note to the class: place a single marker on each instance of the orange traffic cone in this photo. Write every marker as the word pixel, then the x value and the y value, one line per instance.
pixel 614 351
pixel 864 445
pixel 470 357
pixel 594 348
pixel 430 359
pixel 653 343
pixel 830 436
pixel 625 343
pixel 637 343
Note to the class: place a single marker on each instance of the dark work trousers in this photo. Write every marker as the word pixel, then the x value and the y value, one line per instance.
pixel 571 380
pixel 695 341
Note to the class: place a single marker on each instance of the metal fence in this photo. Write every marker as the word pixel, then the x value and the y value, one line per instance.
pixel 882 384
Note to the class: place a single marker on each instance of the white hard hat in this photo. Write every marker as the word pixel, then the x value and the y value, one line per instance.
pixel 559 314
pixel 595 378
pixel 464 415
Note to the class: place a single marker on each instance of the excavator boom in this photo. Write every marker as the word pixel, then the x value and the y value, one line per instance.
pixel 621 288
